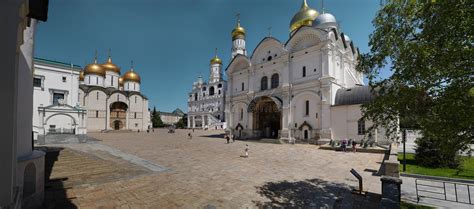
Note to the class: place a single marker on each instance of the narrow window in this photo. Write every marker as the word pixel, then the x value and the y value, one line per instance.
pixel 96 113
pixel 275 80
pixel 64 79
pixel 305 134
pixel 243 87
pixel 241 114
pixel 304 71
pixel 111 77
pixel 135 115
pixel 219 92
pixel 97 80
pixel 264 83
pixel 134 86
pixel 97 95
pixel 361 127
pixel 307 108
pixel 195 96
pixel 135 99
pixel 269 58
pixel 118 97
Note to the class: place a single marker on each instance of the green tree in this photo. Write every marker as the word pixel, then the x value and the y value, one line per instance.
pixel 182 123
pixel 428 47
pixel 156 119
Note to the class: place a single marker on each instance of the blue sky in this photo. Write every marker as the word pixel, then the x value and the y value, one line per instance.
pixel 172 41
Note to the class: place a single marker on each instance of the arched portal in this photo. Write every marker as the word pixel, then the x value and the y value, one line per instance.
pixel 118 115
pixel 267 116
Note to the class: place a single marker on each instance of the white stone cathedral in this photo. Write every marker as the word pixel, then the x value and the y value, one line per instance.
pixel 303 89
pixel 71 100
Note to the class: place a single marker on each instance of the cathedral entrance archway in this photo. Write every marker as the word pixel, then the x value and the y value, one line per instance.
pixel 267 116
pixel 118 115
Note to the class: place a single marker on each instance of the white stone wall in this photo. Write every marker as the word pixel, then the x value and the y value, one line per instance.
pixel 131 86
pixel 111 79
pixel 52 77
pixel 94 80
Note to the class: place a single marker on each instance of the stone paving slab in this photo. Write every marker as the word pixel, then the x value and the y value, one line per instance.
pixel 205 172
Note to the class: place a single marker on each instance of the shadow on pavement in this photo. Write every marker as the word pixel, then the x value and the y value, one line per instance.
pixel 55 195
pixel 311 193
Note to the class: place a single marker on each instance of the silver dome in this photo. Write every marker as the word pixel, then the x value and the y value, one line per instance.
pixel 346 37
pixel 325 18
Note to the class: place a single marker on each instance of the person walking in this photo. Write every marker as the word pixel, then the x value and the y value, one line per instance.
pixel 228 138
pixel 354 143
pixel 246 150
pixel 233 138
pixel 190 136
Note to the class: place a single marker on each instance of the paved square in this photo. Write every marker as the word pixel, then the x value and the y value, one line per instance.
pixel 205 172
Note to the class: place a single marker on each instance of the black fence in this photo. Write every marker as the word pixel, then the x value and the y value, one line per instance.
pixel 444 190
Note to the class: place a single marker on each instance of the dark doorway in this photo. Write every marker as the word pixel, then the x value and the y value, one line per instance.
pixel 267 118
pixel 118 125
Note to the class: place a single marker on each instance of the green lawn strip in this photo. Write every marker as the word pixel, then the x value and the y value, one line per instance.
pixel 413 167
pixel 405 205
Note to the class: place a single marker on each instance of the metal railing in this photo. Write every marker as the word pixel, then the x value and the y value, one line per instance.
pixel 444 190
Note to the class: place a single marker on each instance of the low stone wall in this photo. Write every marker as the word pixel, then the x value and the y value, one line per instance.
pixel 392 165
pixel 391 182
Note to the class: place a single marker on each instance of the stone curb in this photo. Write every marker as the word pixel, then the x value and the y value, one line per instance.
pixel 466 181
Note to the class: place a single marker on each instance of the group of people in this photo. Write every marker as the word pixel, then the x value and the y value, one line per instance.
pixel 345 143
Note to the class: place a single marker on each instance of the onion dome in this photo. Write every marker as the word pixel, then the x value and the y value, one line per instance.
pixel 94 68
pixel 81 75
pixel 216 60
pixel 238 32
pixel 120 81
pixel 304 16
pixel 111 67
pixel 325 19
pixel 131 75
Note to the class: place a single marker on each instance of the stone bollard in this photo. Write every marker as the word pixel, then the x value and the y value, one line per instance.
pixel 391 192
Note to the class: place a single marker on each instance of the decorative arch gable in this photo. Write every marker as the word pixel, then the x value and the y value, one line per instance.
pixel 238 63
pixel 305 37
pixel 268 44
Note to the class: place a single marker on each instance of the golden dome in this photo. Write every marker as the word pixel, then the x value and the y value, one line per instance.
pixel 238 32
pixel 81 75
pixel 131 75
pixel 94 68
pixel 109 66
pixel 120 81
pixel 216 60
pixel 304 16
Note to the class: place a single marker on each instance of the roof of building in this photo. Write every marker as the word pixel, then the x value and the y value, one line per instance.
pixel 56 63
pixel 178 112
pixel 354 95
pixel 110 90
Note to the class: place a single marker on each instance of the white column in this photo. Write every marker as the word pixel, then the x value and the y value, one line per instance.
pixel 189 122
pixel 203 124
pixel 107 113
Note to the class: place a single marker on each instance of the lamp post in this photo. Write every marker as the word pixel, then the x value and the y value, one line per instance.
pixel 404 139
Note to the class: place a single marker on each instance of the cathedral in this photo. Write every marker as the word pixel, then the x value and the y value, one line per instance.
pixel 69 99
pixel 206 100
pixel 113 101
pixel 304 89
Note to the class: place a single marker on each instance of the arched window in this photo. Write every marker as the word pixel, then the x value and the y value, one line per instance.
pixel 195 96
pixel 219 85
pixel 211 91
pixel 305 134
pixel 304 71
pixel 241 114
pixel 275 80
pixel 264 83
pixel 307 108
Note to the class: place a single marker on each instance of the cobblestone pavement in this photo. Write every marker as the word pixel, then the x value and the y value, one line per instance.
pixel 205 172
